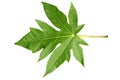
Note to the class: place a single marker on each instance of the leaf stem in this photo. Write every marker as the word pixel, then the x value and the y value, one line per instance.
pixel 94 36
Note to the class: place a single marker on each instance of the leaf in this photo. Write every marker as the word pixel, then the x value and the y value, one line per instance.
pixel 48 38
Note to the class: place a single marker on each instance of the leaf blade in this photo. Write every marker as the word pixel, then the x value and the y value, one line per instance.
pixel 81 41
pixel 30 40
pixel 45 27
pixel 51 65
pixel 79 28
pixel 47 50
pixel 56 16
pixel 78 52
pixel 72 16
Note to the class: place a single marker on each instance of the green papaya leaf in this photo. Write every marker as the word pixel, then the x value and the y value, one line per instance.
pixel 48 38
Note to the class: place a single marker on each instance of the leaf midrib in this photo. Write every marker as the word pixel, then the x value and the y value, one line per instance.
pixel 67 36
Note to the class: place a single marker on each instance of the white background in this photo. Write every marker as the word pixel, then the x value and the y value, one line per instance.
pixel 102 56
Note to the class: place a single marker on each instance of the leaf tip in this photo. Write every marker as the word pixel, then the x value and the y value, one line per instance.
pixel 43 2
pixel 86 44
pixel 71 3
pixel 45 74
pixel 16 43
pixel 36 20
pixel 83 65
pixel 39 60
pixel 83 24
pixel 68 61
pixel 82 62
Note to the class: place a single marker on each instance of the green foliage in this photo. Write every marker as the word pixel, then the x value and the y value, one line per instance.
pixel 48 38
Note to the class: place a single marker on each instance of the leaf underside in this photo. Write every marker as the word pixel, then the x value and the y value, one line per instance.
pixel 48 38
